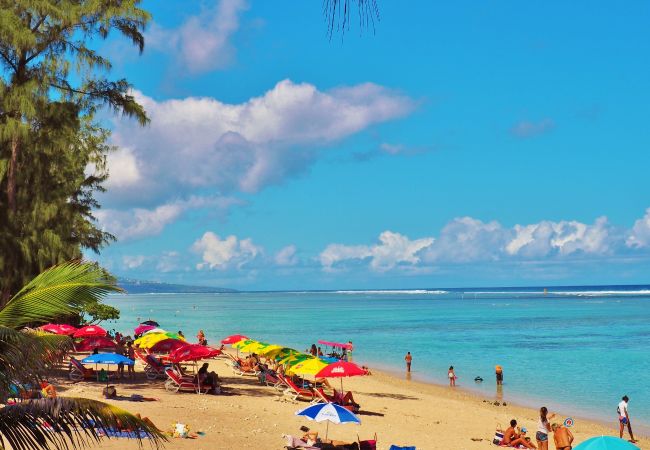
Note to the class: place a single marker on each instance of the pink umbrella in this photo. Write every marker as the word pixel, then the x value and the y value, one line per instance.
pixel 143 328
pixel 59 328
pixel 341 369
pixel 193 352
pixel 233 339
pixel 90 331
pixel 167 346
pixel 92 343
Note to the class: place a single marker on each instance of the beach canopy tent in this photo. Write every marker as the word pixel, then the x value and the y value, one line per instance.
pixel 233 339
pixel 94 342
pixel 90 331
pixel 193 352
pixel 140 329
pixel 59 328
pixel 335 344
pixel 606 443
pixel 328 412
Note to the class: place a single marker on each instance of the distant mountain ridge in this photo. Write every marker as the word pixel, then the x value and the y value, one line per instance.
pixel 154 287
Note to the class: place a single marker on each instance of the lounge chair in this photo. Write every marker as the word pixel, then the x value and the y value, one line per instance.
pixel 369 444
pixel 176 383
pixel 239 368
pixel 295 392
pixel 153 369
pixel 79 372
pixel 321 397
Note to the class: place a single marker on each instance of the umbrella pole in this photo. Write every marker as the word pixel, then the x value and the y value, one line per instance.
pixel 327 429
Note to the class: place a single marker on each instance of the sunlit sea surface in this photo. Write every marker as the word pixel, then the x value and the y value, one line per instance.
pixel 576 350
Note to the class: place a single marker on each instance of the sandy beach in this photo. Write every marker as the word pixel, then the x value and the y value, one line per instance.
pixel 400 411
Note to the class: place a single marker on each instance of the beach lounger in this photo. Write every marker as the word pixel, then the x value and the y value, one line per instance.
pixel 153 369
pixel 176 383
pixel 295 392
pixel 321 397
pixel 79 372
pixel 239 369
pixel 369 444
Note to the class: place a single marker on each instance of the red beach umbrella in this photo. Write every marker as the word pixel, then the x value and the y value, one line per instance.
pixel 61 328
pixel 90 331
pixel 91 343
pixel 193 352
pixel 143 328
pixel 340 370
pixel 167 346
pixel 233 339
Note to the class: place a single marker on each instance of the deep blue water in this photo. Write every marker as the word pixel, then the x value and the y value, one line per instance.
pixel 576 350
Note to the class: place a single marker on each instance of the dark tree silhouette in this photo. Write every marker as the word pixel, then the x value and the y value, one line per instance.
pixel 338 14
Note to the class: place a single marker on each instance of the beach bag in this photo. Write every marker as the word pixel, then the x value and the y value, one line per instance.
pixel 109 392
pixel 498 436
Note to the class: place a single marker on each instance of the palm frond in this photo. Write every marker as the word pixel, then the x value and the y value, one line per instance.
pixel 66 422
pixel 60 290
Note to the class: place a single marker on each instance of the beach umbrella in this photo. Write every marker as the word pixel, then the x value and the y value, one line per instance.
pixel 328 412
pixel 150 322
pixel 243 343
pixel 140 329
pixel 341 369
pixel 270 350
pixel 307 367
pixel 107 358
pixel 62 328
pixel 167 345
pixel 90 331
pixel 193 352
pixel 94 342
pixel 151 339
pixel 233 339
pixel 606 443
pixel 154 331
pixel 294 358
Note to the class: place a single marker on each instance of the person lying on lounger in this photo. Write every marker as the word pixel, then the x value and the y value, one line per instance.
pixel 513 439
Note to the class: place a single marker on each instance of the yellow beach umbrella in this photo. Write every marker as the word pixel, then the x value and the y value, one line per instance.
pixel 243 343
pixel 307 367
pixel 294 359
pixel 150 340
pixel 270 350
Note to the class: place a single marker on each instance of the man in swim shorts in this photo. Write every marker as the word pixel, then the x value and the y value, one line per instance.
pixel 498 370
pixel 408 358
pixel 624 418
pixel 562 437
pixel 513 439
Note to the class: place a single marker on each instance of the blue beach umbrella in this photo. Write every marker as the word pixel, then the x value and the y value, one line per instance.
pixel 329 412
pixel 107 358
pixel 606 443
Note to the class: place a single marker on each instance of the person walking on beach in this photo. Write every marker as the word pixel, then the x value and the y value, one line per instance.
pixel 452 376
pixel 543 428
pixel 624 418
pixel 499 373
pixel 408 358
pixel 562 437
pixel 130 353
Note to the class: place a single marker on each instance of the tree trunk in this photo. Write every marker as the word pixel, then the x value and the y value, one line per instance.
pixel 11 175
pixel 5 295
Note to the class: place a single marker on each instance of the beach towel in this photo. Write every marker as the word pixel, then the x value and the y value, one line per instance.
pixel 395 447
pixel 113 433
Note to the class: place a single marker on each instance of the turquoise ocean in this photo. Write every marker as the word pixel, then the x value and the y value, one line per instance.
pixel 573 349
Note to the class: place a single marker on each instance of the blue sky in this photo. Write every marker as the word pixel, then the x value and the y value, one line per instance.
pixel 457 145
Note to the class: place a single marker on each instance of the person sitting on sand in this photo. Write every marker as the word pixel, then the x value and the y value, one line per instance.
pixel 206 378
pixel 513 439
pixel 562 437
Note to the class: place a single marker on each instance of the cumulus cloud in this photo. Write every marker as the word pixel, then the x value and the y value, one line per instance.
pixel 202 42
pixel 135 223
pixel 286 256
pixel 639 235
pixel 393 249
pixel 469 240
pixel 133 261
pixel 201 143
pixel 231 252
pixel 528 129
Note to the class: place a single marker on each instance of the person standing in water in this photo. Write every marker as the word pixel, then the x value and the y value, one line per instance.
pixel 408 358
pixel 452 376
pixel 499 373
pixel 624 418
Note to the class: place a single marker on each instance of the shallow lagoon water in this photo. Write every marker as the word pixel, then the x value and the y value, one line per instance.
pixel 576 350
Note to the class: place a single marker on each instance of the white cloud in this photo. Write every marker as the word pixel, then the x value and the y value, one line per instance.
pixel 135 223
pixel 286 256
pixel 202 42
pixel 123 169
pixel 639 236
pixel 217 253
pixel 133 262
pixel 394 249
pixel 527 129
pixel 202 143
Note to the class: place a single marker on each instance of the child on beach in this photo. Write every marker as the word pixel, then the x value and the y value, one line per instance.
pixel 452 376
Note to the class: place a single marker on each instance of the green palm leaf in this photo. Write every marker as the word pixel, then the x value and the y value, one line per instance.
pixel 71 422
pixel 58 291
